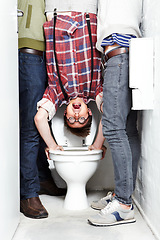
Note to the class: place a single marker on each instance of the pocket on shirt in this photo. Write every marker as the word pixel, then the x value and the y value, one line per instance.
pixel 66 25
pixel 29 14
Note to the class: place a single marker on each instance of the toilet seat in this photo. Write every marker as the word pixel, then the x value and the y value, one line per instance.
pixel 78 152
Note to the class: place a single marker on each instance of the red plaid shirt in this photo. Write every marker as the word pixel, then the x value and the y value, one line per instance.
pixel 74 61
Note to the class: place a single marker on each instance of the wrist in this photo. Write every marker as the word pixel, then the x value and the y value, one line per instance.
pixel 52 146
pixel 97 145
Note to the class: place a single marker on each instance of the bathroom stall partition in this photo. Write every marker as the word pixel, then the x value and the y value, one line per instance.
pixel 9 120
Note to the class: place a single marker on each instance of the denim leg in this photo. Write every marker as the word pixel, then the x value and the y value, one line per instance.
pixel 134 142
pixel 32 84
pixel 116 107
pixel 42 163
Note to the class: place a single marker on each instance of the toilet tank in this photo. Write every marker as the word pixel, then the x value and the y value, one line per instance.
pixel 64 137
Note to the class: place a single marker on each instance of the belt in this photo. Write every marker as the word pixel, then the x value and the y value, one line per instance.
pixel 116 52
pixel 31 51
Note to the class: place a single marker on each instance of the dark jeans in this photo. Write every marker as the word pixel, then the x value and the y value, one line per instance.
pixel 120 126
pixel 32 84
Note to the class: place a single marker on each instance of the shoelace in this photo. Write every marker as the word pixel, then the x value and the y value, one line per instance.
pixel 111 207
pixel 106 197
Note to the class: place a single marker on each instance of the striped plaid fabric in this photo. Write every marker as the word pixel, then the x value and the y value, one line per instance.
pixel 122 40
pixel 74 58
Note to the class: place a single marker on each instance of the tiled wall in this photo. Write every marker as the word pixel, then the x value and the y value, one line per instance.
pixel 147 194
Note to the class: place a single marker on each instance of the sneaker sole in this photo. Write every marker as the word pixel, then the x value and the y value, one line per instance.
pixel 95 208
pixel 112 224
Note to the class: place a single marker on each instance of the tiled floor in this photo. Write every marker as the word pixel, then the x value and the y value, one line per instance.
pixel 70 225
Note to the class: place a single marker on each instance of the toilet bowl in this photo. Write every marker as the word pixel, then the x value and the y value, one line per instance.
pixel 75 164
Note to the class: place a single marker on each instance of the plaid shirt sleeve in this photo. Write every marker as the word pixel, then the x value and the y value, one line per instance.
pixel 48 106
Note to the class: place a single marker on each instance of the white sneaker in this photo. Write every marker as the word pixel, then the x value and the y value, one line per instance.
pixel 113 214
pixel 103 202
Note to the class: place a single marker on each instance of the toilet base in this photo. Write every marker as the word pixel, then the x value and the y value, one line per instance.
pixel 76 197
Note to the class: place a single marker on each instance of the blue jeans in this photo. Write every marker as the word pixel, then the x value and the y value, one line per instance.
pixel 32 84
pixel 120 126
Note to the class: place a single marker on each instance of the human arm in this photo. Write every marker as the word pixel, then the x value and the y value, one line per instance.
pixel 98 143
pixel 41 122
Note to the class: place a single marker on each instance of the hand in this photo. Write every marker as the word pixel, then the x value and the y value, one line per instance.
pixel 91 147
pixel 103 148
pixel 49 149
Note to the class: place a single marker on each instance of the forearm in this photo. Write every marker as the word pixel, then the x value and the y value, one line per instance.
pixel 41 121
pixel 99 138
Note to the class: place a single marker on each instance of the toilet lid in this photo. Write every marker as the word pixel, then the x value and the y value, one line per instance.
pixel 64 137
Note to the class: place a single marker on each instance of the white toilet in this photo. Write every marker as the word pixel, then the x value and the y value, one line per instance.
pixel 75 164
